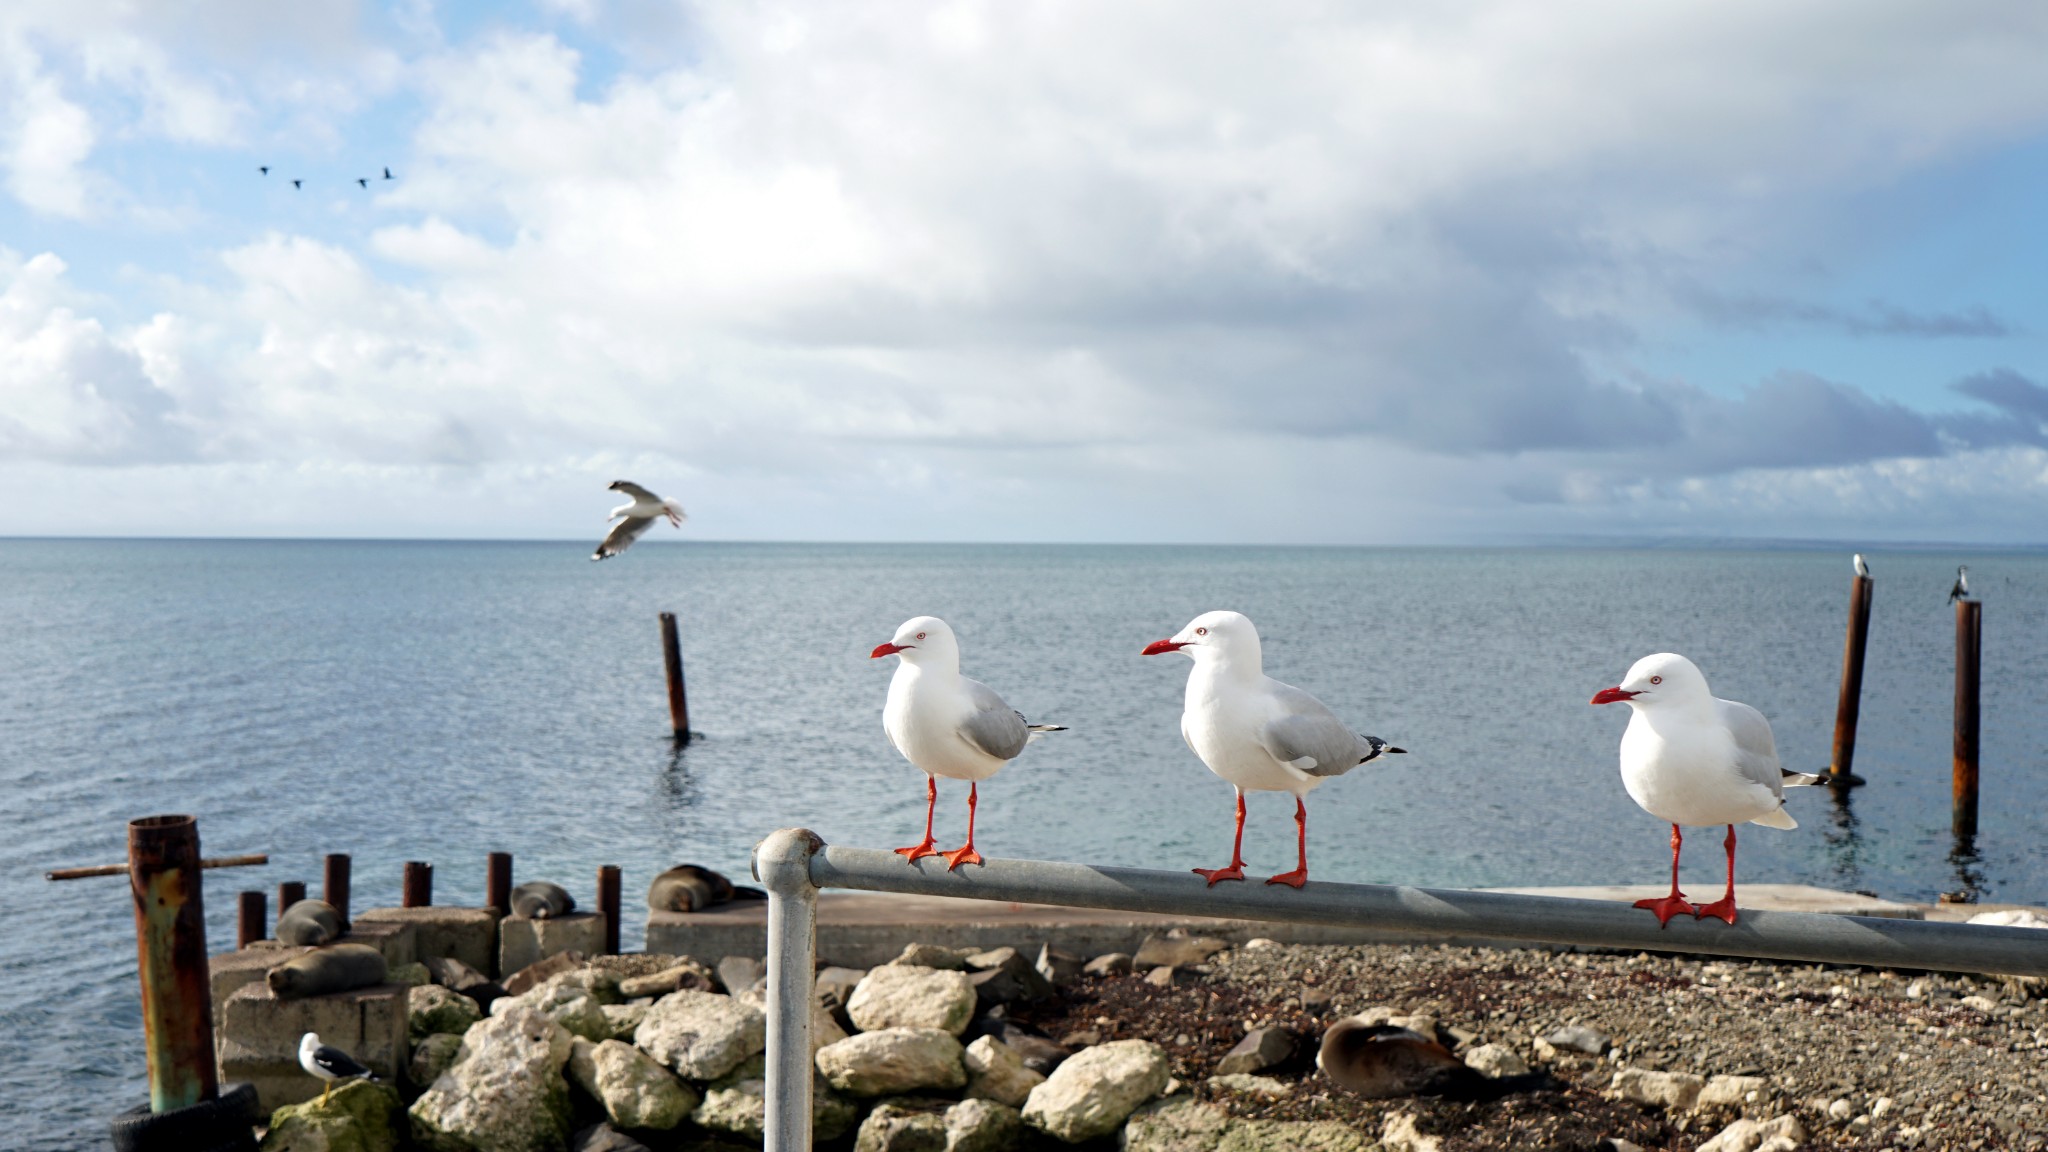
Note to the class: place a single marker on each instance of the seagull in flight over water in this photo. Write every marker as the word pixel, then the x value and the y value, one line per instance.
pixel 1862 569
pixel 640 515
pixel 1961 591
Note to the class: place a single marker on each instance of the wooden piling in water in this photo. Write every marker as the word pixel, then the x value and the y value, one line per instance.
pixel 289 893
pixel 1969 652
pixel 170 950
pixel 1851 701
pixel 252 919
pixel 608 903
pixel 334 883
pixel 498 881
pixel 678 697
pixel 418 888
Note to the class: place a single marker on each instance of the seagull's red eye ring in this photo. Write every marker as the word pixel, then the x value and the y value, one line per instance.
pixel 1201 631
pixel 920 635
pixel 1653 679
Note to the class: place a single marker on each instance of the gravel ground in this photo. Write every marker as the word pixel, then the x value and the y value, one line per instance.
pixel 1867 1059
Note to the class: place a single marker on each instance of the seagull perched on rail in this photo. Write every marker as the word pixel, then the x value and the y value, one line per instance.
pixel 946 724
pixel 1257 733
pixel 330 1064
pixel 1691 758
pixel 640 515
pixel 1961 591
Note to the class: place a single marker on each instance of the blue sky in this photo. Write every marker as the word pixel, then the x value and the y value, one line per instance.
pixel 1428 273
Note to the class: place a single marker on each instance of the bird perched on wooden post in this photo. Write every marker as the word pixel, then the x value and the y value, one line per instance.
pixel 330 1064
pixel 1862 569
pixel 1961 590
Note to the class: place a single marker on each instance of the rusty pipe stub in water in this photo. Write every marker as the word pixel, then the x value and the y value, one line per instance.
pixel 170 950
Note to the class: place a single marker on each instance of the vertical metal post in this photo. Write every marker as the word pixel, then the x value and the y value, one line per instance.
pixel 418 888
pixel 678 698
pixel 1851 701
pixel 334 883
pixel 252 919
pixel 608 903
pixel 289 893
pixel 170 950
pixel 1969 650
pixel 498 881
pixel 782 863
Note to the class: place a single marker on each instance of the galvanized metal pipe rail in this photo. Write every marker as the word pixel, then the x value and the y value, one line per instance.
pixel 794 864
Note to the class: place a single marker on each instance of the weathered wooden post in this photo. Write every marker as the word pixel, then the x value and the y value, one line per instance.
pixel 498 881
pixel 289 893
pixel 418 888
pixel 252 916
pixel 1969 650
pixel 170 952
pixel 1851 701
pixel 678 698
pixel 608 902
pixel 334 883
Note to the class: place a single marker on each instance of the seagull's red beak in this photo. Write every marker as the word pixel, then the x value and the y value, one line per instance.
pixel 882 650
pixel 1161 647
pixel 1613 696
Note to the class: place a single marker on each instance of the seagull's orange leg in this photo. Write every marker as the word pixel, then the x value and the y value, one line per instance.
pixel 1299 876
pixel 1236 869
pixel 1723 908
pixel 965 854
pixel 931 801
pixel 1675 904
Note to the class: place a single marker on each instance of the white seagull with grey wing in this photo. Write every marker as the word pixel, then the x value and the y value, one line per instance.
pixel 946 724
pixel 329 1063
pixel 640 515
pixel 1690 758
pixel 1257 733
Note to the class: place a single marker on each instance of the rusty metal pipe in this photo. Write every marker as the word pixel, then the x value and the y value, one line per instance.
pixel 418 891
pixel 608 903
pixel 498 881
pixel 678 696
pixel 122 869
pixel 252 919
pixel 334 883
pixel 1850 704
pixel 289 893
pixel 170 951
pixel 1969 654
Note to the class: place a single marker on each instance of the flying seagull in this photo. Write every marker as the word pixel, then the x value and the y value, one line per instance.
pixel 264 168
pixel 946 724
pixel 1961 591
pixel 298 183
pixel 329 1064
pixel 1862 569
pixel 388 175
pixel 639 516
pixel 1690 758
pixel 363 181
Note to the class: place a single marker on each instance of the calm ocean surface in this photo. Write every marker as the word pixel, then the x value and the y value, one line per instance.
pixel 438 701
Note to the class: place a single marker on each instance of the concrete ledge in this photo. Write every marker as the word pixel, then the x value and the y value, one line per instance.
pixel 467 934
pixel 230 972
pixel 259 1036
pixel 522 941
pixel 397 940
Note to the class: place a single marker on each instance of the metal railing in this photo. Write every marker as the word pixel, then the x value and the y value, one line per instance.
pixel 793 864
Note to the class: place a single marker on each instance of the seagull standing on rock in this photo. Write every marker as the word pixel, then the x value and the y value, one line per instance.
pixel 946 724
pixel 1692 759
pixel 1257 733
pixel 639 515
pixel 329 1064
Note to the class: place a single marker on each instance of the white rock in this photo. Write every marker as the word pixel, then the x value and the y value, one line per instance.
pixel 824 1028
pixel 701 1035
pixel 906 996
pixel 624 1019
pixel 566 999
pixel 893 1061
pixel 1496 1060
pixel 982 1126
pixel 1672 1091
pixel 995 1072
pixel 1747 1135
pixel 736 1103
pixel 505 1091
pixel 1092 1092
pixel 2017 918
pixel 1399 1135
pixel 1578 1038
pixel 1882 1108
pixel 1731 1091
pixel 434 1010
pixel 636 1091
pixel 1250 1085
pixel 1840 1110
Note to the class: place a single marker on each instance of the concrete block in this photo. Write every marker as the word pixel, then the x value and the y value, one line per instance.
pixel 396 939
pixel 522 941
pixel 258 1040
pixel 229 972
pixel 467 934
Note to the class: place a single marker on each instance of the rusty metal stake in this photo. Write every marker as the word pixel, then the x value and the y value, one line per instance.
pixel 1969 652
pixel 608 903
pixel 170 951
pixel 1851 702
pixel 334 883
pixel 252 917
pixel 122 869
pixel 289 893
pixel 498 881
pixel 678 697
pixel 418 890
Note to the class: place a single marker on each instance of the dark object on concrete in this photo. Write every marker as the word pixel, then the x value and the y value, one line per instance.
pixel 335 968
pixel 541 900
pixel 289 893
pixel 1969 651
pixel 688 888
pixel 498 882
pixel 225 1124
pixel 252 919
pixel 310 923
pixel 678 697
pixel 608 903
pixel 418 888
pixel 334 882
pixel 739 973
pixel 1851 701
pixel 170 949
pixel 1260 1049
pixel 1381 1062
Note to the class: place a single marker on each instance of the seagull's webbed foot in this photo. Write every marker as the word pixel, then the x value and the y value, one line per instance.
pixel 1723 909
pixel 1668 906
pixel 962 855
pixel 1234 872
pixel 1294 879
pixel 918 851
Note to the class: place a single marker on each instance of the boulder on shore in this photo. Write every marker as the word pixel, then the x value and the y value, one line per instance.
pixel 1094 1091
pixel 505 1091
pixel 905 996
pixel 360 1116
pixel 701 1035
pixel 636 1091
pixel 893 1061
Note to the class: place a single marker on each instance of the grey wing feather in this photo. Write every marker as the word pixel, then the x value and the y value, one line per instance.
pixel 637 492
pixel 1756 751
pixel 1313 731
pixel 993 726
pixel 621 536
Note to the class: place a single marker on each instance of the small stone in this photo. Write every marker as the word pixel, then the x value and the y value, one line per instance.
pixel 1260 944
pixel 686 975
pixel 1004 976
pixel 1882 1108
pixel 1059 968
pixel 1082 1038
pixel 1262 1086
pixel 1171 952
pixel 982 1126
pixel 934 956
pixel 1108 964
pixel 903 1126
pixel 1840 1110
pixel 1160 977
pixel 1749 1135
pixel 565 999
pixel 1617 1144
pixel 1981 1003
pixel 736 1103
pixel 1578 1038
pixel 736 974
pixel 540 972
pixel 1731 1091
pixel 911 996
pixel 1092 1093
pixel 1176 1125
pixel 636 1092
pixel 893 1061
pixel 432 1009
pixel 1260 1049
pixel 1496 1060
pixel 995 1072
pixel 604 1138
pixel 624 1019
pixel 701 1035
pixel 431 1056
pixel 1672 1091
pixel 1399 1134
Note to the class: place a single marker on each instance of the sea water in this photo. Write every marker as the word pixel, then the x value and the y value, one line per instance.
pixel 439 701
